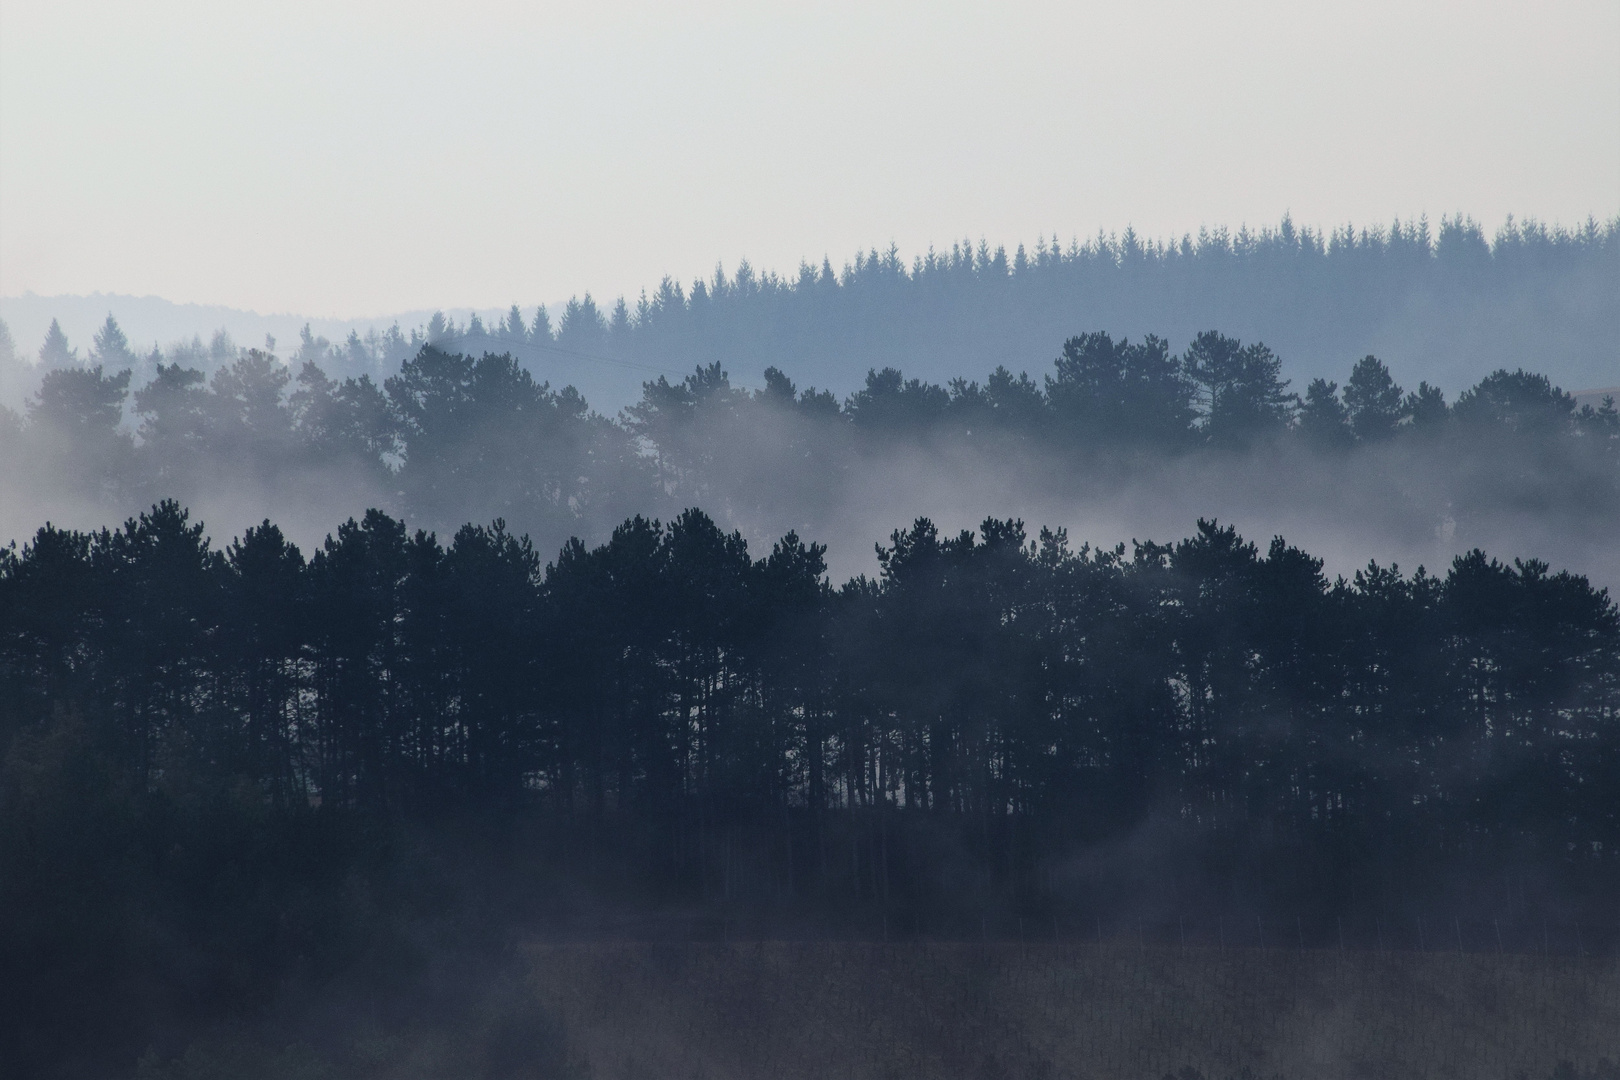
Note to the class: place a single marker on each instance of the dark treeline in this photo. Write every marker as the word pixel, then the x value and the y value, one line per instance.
pixel 209 753
pixel 449 438
pixel 989 677
pixel 230 773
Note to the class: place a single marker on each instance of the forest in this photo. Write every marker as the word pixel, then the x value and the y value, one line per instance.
pixel 449 438
pixel 219 759
pixel 792 541
pixel 233 770
pixel 1450 297
pixel 1018 694
pixel 547 684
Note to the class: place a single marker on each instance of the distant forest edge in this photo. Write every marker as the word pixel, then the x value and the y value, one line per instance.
pixel 1449 304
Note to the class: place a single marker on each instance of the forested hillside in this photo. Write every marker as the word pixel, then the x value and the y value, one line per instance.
pixel 631 541
pixel 1446 303
pixel 547 683
pixel 1125 431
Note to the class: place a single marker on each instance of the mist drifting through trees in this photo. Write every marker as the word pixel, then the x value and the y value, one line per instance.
pixel 1448 302
pixel 459 657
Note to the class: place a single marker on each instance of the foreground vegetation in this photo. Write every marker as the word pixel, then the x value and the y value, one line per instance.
pixel 238 779
pixel 945 1011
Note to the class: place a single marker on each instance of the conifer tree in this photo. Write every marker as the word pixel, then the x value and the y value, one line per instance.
pixel 55 352
pixel 1373 400
pixel 111 348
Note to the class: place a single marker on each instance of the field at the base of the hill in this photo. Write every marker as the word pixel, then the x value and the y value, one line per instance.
pixel 855 1011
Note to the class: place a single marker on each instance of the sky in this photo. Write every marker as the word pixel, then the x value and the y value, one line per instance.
pixel 350 159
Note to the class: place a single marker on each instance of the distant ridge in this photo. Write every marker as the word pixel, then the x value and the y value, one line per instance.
pixel 152 320
pixel 1595 397
pixel 1446 306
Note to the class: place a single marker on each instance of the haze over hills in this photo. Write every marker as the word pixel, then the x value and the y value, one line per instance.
pixel 863 539
pixel 153 320
pixel 149 320
pixel 1445 305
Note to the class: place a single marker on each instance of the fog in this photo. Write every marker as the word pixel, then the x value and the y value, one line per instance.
pixel 1385 505
pixel 1445 302
pixel 367 159
pixel 1443 308
pixel 1400 504
pixel 445 447
pixel 583 541
pixel 473 756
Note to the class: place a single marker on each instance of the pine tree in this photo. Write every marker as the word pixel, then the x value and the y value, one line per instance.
pixel 1108 393
pixel 1241 388
pixel 111 349
pixel 513 330
pixel 55 353
pixel 1426 408
pixel 311 349
pixel 1516 400
pixel 1373 400
pixel 540 333
pixel 1323 419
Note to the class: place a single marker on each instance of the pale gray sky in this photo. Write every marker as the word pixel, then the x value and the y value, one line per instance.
pixel 347 159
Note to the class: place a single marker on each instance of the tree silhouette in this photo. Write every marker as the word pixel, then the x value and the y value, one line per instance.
pixel 1323 418
pixel 1373 400
pixel 73 428
pixel 111 348
pixel 1113 394
pixel 55 352
pixel 675 722
pixel 1519 401
pixel 1240 389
